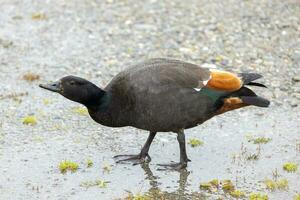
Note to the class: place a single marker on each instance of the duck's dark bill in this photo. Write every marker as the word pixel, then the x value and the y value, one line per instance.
pixel 54 87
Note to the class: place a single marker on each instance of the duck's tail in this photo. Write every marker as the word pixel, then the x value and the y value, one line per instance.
pixel 243 96
pixel 247 96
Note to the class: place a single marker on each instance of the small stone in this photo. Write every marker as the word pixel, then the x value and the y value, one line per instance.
pixel 296 78
pixel 296 56
pixel 296 95
pixel 296 88
pixel 6 43
pixel 294 102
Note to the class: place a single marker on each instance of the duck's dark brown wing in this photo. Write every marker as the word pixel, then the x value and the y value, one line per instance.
pixel 162 71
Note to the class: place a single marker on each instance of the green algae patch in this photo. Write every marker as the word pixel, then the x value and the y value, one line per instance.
pixel 89 163
pixel 195 142
pixel 290 167
pixel 258 196
pixel 106 168
pixel 38 16
pixel 215 182
pixel 138 196
pixel 29 120
pixel 297 197
pixel 66 165
pixel 80 110
pixel 227 185
pixel 97 183
pixel 206 186
pixel 281 184
pixel 238 194
pixel 46 101
pixel 260 140
pixel 154 193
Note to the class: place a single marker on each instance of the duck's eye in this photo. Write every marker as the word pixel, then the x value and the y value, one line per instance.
pixel 72 82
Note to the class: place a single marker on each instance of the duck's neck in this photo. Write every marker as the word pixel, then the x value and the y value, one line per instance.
pixel 97 100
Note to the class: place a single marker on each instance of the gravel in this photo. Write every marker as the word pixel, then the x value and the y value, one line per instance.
pixel 96 39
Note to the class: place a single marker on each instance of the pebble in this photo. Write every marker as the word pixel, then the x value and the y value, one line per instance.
pixel 296 78
pixel 296 88
pixel 296 95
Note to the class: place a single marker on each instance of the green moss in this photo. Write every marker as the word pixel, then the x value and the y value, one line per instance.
pixel 270 184
pixel 258 196
pixel 80 110
pixel 211 186
pixel 106 168
pixel 29 120
pixel 290 167
pixel 214 182
pixel 227 185
pixel 66 165
pixel 205 186
pixel 141 197
pixel 259 140
pixel 38 16
pixel 46 101
pixel 98 183
pixel 195 142
pixel 89 163
pixel 297 197
pixel 254 156
pixel 281 184
pixel 138 196
pixel 238 194
pixel 101 183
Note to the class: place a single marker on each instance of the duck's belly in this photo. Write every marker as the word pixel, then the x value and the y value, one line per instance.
pixel 171 111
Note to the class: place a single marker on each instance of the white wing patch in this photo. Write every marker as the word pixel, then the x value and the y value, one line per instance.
pixel 202 84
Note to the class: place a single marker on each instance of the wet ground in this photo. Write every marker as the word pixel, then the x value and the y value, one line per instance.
pixel 97 39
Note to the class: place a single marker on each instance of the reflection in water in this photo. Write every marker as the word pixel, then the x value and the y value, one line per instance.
pixel 181 193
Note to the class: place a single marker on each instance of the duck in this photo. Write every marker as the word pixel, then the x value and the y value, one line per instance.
pixel 161 95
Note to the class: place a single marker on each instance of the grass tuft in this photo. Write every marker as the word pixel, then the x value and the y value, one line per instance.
pixel 89 163
pixel 258 196
pixel 106 168
pixel 260 140
pixel 238 194
pixel 38 16
pixel 29 120
pixel 227 185
pixel 98 183
pixel 281 184
pixel 66 165
pixel 290 167
pixel 80 110
pixel 195 142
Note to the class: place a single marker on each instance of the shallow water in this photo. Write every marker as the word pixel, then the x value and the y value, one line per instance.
pixel 96 40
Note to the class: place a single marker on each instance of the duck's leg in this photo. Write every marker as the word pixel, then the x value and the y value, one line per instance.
pixel 142 157
pixel 183 156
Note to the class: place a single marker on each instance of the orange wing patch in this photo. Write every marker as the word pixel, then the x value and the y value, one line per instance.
pixel 231 103
pixel 221 80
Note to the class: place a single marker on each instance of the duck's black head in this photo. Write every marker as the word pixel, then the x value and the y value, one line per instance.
pixel 77 89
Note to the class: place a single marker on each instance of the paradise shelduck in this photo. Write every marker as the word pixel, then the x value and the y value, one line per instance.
pixel 162 95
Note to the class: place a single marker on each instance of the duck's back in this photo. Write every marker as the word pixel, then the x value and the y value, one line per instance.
pixel 160 95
